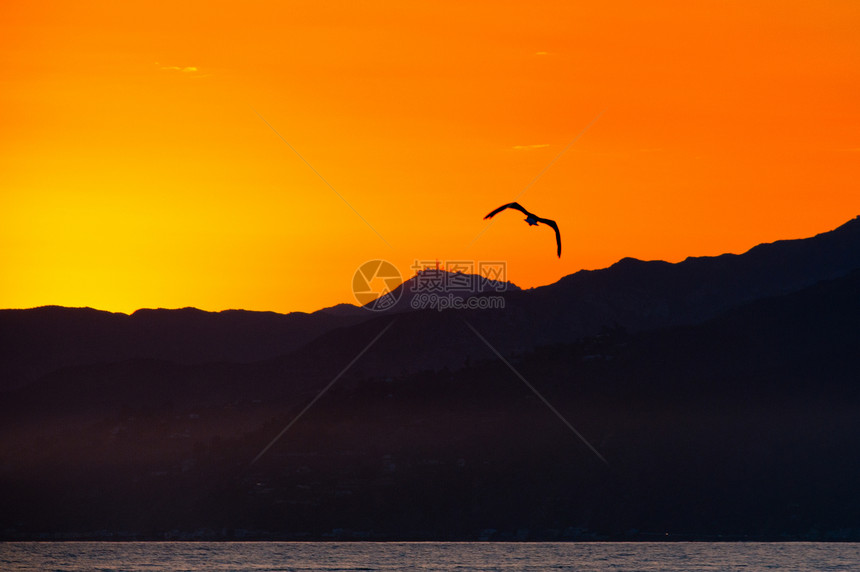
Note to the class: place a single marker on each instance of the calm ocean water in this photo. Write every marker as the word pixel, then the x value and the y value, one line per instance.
pixel 346 556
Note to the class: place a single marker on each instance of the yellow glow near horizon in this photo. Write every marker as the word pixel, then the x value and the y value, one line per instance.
pixel 135 172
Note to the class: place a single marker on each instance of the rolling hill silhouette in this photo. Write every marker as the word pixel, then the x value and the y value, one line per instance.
pixel 38 341
pixel 722 390
pixel 633 295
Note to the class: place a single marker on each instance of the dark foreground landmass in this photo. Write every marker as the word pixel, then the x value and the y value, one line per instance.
pixel 723 393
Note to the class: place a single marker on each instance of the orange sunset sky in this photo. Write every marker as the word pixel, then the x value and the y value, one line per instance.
pixel 135 171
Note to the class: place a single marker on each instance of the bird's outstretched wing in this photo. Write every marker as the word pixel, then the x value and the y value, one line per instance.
pixel 508 206
pixel 552 223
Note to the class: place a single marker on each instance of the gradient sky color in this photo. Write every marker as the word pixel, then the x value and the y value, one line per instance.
pixel 135 171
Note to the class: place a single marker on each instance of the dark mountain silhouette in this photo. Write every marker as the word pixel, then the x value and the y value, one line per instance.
pixel 344 310
pixel 640 295
pixel 38 341
pixel 631 294
pixel 722 391
pixel 743 426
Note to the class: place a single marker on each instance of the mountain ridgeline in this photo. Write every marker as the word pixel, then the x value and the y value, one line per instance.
pixel 722 391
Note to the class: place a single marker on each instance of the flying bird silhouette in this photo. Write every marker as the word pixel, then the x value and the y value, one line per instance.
pixel 532 219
